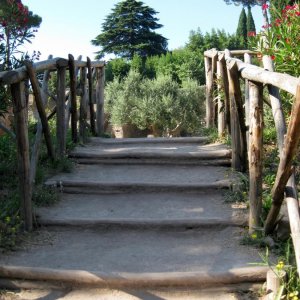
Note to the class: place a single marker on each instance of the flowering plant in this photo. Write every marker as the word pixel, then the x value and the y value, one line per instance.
pixel 281 39
pixel 17 26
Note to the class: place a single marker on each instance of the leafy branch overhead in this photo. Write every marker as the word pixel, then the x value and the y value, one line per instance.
pixel 130 29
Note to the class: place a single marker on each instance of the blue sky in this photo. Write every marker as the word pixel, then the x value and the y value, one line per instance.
pixel 68 26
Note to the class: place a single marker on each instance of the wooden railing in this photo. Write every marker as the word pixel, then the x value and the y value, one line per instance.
pixel 245 120
pixel 79 103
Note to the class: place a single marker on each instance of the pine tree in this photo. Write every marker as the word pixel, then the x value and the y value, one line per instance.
pixel 242 27
pixel 129 30
pixel 250 22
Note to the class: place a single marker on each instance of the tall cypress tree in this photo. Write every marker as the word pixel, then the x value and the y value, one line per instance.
pixel 129 30
pixel 242 27
pixel 250 22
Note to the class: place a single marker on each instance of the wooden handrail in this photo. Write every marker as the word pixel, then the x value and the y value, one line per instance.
pixel 15 79
pixel 17 75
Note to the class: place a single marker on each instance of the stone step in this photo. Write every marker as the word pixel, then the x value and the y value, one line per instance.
pixel 151 153
pixel 109 178
pixel 134 258
pixel 159 140
pixel 142 210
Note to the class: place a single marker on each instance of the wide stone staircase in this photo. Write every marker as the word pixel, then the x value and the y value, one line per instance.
pixel 140 219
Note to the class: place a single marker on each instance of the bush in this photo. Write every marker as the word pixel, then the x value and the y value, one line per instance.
pixel 161 104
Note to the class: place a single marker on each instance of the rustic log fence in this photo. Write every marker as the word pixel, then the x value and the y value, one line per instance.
pixel 244 121
pixel 81 100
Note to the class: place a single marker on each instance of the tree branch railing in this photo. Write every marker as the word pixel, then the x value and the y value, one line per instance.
pixel 245 121
pixel 85 102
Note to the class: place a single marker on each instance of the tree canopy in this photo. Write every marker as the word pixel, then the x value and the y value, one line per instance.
pixel 129 30
pixel 17 26
pixel 245 3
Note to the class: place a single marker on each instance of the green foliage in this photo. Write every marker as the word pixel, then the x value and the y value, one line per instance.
pixel 159 104
pixel 130 29
pixel 242 27
pixel 17 26
pixel 279 5
pixel 116 68
pixel 218 39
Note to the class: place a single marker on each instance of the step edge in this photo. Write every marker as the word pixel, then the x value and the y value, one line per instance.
pixel 141 223
pixel 102 279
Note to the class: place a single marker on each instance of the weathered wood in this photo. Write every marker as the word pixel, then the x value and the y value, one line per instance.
pixel 100 82
pixel 20 74
pixel 294 216
pixel 285 166
pixel 285 82
pixel 225 84
pixel 255 154
pixel 221 101
pixel 68 99
pixel 214 80
pixel 40 107
pixel 83 106
pixel 60 112
pixel 38 136
pixel 276 105
pixel 247 59
pixel 209 92
pixel 236 96
pixel 94 64
pixel 210 53
pixel 91 100
pixel 20 110
pixel 73 82
pixel 17 75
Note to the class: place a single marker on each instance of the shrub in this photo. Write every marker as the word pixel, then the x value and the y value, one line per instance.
pixel 160 104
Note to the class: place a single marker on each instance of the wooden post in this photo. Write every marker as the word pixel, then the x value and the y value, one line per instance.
pixel 83 106
pixel 74 118
pixel 291 188
pixel 60 108
pixel 255 154
pixel 233 77
pixel 91 100
pixel 225 83
pixel 294 216
pixel 20 112
pixel 100 82
pixel 221 102
pixel 247 59
pixel 40 107
pixel 209 92
pixel 276 104
pixel 285 166
pixel 38 136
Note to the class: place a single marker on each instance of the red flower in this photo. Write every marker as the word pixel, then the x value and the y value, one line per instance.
pixel 298 13
pixel 265 6
pixel 273 57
